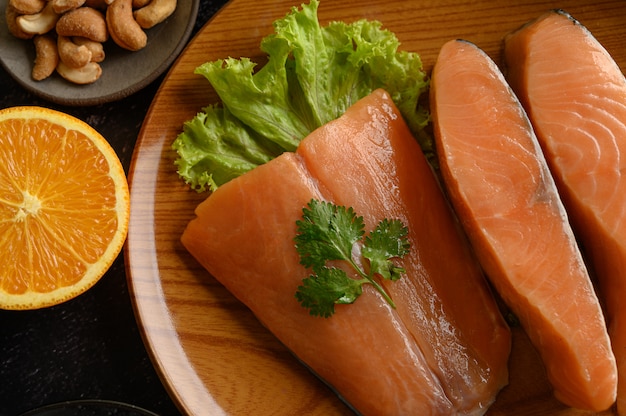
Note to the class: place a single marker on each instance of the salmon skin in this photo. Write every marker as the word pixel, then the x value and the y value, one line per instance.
pixel 443 350
pixel 575 96
pixel 501 188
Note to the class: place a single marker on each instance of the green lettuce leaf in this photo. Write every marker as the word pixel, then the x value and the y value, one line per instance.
pixel 312 76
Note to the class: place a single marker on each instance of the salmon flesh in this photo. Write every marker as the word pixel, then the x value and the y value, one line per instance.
pixel 575 96
pixel 443 350
pixel 506 198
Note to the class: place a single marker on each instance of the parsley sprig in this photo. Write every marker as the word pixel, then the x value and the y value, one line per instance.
pixel 329 232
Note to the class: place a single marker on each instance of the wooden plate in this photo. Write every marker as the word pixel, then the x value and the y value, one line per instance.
pixel 213 355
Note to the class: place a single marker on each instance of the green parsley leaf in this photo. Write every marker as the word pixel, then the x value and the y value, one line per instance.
pixel 319 293
pixel 388 240
pixel 329 232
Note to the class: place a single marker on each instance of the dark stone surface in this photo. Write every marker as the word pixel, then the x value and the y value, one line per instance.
pixel 89 347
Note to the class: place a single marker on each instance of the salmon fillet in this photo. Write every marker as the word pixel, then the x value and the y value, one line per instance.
pixel 443 351
pixel 575 96
pixel 500 185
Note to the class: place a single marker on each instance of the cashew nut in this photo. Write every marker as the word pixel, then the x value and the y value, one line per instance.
pixel 98 4
pixel 137 4
pixel 154 13
pixel 86 22
pixel 38 23
pixel 62 6
pixel 11 16
pixel 71 54
pixel 46 57
pixel 124 30
pixel 84 75
pixel 82 27
pixel 27 6
pixel 96 48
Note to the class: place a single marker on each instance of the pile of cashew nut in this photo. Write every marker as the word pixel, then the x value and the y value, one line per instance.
pixel 69 35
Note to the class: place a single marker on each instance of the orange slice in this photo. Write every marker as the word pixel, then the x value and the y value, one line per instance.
pixel 64 207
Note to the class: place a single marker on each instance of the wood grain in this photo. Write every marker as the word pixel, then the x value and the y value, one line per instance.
pixel 212 354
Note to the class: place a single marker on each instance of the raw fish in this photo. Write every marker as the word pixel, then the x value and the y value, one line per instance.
pixel 505 196
pixel 443 351
pixel 575 96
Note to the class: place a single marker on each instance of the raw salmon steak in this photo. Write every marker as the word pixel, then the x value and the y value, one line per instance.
pixel 443 350
pixel 501 188
pixel 575 96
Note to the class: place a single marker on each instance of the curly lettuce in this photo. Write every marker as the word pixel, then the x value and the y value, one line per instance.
pixel 312 76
